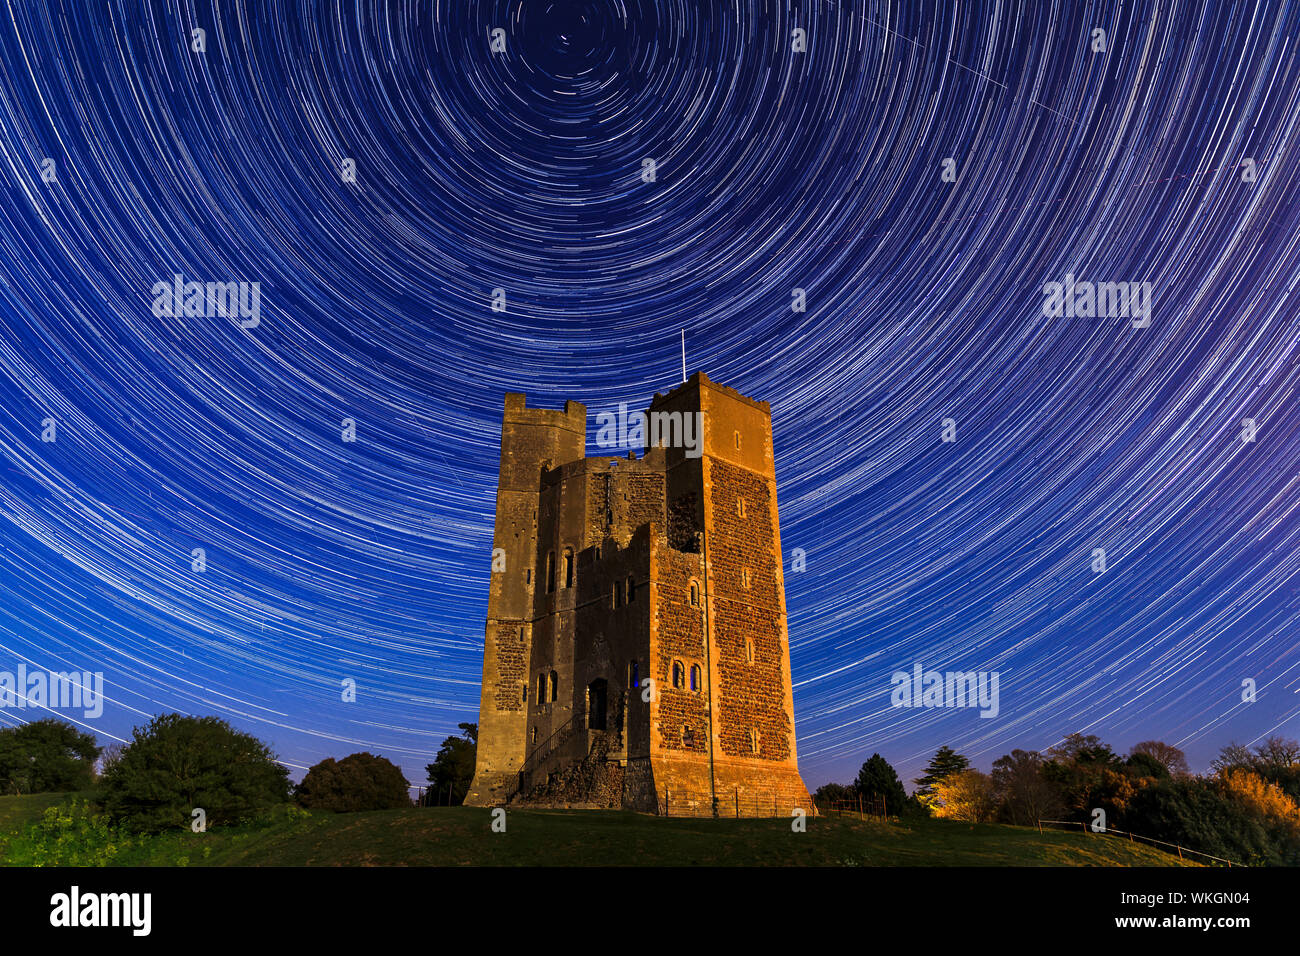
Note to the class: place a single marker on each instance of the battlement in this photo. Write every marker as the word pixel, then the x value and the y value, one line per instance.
pixel 699 381
pixel 573 417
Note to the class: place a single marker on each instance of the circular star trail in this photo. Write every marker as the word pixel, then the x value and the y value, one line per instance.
pixel 608 174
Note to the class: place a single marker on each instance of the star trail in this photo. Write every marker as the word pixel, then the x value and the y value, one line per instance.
pixel 184 510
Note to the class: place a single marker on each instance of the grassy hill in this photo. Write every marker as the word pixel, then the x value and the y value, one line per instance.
pixel 459 836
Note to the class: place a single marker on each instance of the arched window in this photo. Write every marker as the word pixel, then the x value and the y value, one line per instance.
pixel 737 441
pixel 744 577
pixel 695 677
pixel 679 675
pixel 541 689
pixel 740 507
pixel 631 590
pixel 554 684
pixel 568 567
pixel 695 594
pixel 525 698
pixel 618 594
pixel 688 738
pixel 633 675
pixel 534 735
pixel 749 650
pixel 550 572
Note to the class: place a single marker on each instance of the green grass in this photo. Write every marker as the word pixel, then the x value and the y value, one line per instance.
pixel 17 812
pixel 461 836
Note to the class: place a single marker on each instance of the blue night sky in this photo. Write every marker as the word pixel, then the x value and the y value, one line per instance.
pixel 1167 158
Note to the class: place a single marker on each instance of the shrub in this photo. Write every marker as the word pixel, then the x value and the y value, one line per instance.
pixel 1200 814
pixel 72 834
pixel 360 781
pixel 177 764
pixel 46 756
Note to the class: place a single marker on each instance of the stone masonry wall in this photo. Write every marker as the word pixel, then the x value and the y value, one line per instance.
pixel 681 638
pixel 746 607
pixel 512 669
pixel 645 500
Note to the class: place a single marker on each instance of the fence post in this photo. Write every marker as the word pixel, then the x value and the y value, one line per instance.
pixel 1180 853
pixel 1040 827
pixel 859 806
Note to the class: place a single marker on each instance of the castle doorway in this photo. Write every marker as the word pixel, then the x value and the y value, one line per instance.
pixel 596 695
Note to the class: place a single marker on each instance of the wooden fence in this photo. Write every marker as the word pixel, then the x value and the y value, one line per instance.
pixel 1134 837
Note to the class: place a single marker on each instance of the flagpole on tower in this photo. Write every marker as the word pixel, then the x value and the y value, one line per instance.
pixel 683 356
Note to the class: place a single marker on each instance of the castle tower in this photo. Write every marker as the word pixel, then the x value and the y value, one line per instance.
pixel 637 652
pixel 532 441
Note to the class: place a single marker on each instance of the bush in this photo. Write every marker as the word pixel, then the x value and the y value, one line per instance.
pixel 1201 814
pixel 178 764
pixel 72 834
pixel 46 756
pixel 358 782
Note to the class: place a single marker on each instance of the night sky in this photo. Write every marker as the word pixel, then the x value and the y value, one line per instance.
pixel 1168 158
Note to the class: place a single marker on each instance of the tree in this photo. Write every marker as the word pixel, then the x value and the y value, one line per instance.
pixel 1233 755
pixel 1277 760
pixel 1083 749
pixel 46 756
pixel 1088 775
pixel 360 781
pixel 1202 813
pixel 109 756
pixel 966 795
pixel 878 779
pixel 452 769
pixel 1169 756
pixel 1023 794
pixel 1276 753
pixel 945 761
pixel 177 764
pixel 1264 798
pixel 829 794
pixel 1143 765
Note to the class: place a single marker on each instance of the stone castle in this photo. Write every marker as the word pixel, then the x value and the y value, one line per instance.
pixel 636 651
